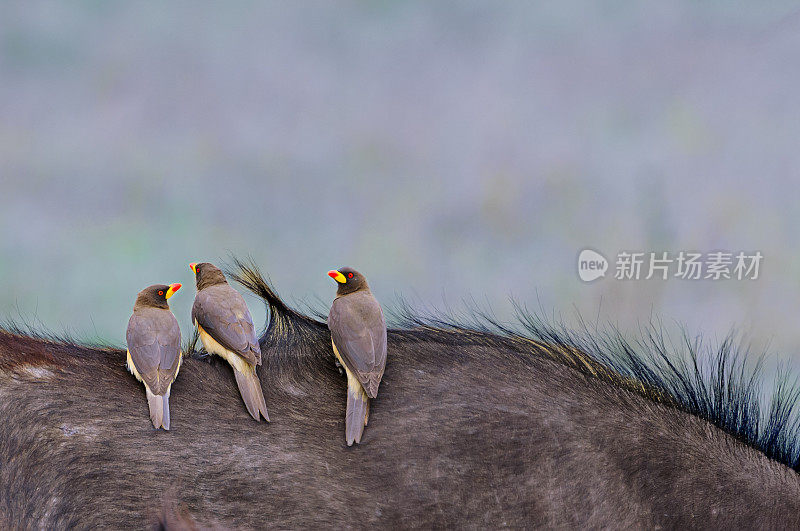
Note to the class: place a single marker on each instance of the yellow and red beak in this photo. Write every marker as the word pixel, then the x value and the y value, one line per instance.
pixel 337 276
pixel 193 267
pixel 171 291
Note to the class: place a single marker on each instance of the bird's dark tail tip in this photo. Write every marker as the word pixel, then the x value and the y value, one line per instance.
pixel 357 411
pixel 252 395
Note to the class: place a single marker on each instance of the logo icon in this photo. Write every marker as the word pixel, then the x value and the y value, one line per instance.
pixel 591 265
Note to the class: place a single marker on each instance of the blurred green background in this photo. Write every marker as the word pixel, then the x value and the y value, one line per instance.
pixel 447 149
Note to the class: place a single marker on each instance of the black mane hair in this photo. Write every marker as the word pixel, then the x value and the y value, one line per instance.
pixel 718 385
pixel 65 338
pixel 722 385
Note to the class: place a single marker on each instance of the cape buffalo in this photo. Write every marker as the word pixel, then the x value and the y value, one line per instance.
pixel 475 426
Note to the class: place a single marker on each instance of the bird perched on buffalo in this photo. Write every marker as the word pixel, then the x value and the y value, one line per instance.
pixel 358 334
pixel 154 356
pixel 226 329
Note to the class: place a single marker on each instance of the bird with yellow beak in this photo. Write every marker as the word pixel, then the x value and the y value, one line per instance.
pixel 226 329
pixel 154 356
pixel 358 334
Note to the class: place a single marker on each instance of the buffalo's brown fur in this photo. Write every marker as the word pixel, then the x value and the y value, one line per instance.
pixel 470 430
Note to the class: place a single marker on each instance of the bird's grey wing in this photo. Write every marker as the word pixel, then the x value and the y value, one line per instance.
pixel 154 345
pixel 360 338
pixel 381 343
pixel 224 315
pixel 169 340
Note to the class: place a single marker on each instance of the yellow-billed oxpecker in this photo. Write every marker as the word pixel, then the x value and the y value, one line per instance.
pixel 358 333
pixel 226 329
pixel 154 356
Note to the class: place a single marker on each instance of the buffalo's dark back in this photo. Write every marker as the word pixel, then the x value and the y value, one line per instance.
pixel 468 430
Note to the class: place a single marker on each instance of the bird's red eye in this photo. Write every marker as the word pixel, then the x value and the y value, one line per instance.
pixel 349 275
pixel 160 292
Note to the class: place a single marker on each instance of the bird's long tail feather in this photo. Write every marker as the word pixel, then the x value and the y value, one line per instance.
pixel 250 389
pixel 357 412
pixel 165 401
pixel 159 409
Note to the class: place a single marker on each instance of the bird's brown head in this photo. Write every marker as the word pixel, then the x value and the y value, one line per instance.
pixel 206 274
pixel 156 296
pixel 348 280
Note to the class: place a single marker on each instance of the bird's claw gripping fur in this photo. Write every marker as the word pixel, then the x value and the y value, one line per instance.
pixel 202 355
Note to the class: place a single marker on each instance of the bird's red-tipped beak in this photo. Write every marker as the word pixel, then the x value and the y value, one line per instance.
pixel 193 267
pixel 172 289
pixel 337 276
